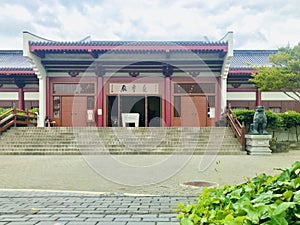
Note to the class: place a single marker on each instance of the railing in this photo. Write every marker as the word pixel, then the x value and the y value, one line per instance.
pixel 14 117
pixel 237 128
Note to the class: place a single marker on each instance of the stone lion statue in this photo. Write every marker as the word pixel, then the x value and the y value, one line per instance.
pixel 259 121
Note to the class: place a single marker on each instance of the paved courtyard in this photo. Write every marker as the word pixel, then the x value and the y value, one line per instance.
pixel 69 190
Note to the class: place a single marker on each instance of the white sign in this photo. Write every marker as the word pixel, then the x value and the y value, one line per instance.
pixel 212 113
pixel 133 88
pixel 90 114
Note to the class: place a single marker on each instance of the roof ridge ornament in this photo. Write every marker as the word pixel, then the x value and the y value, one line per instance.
pixel 86 39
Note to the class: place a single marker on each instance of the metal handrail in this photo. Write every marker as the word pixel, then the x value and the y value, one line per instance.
pixel 14 116
pixel 237 128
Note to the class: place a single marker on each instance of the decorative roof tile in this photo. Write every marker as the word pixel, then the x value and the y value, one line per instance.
pixel 127 43
pixel 128 46
pixel 13 60
pixel 246 59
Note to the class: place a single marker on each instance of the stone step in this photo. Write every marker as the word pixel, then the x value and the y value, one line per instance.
pixel 50 152
pixel 92 140
pixel 121 147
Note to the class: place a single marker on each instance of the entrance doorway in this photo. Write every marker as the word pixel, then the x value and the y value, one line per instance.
pixel 148 108
pixel 190 111
pixel 74 111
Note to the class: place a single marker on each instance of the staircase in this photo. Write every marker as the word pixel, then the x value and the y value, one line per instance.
pixel 119 140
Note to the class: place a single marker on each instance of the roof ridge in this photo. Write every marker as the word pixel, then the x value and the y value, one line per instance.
pixel 16 68
pixel 11 51
pixel 255 51
pixel 129 42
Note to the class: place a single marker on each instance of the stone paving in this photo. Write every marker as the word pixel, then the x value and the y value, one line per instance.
pixel 60 208
pixel 105 201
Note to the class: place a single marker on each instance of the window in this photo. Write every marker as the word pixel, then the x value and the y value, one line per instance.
pixel 82 88
pixel 275 109
pixel 56 106
pixel 90 102
pixel 211 101
pixel 177 106
pixel 194 88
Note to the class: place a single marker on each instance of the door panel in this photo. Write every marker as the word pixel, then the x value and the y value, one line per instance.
pixel 74 111
pixel 193 111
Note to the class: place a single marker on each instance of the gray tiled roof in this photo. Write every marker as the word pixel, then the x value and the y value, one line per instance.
pixel 242 58
pixel 13 60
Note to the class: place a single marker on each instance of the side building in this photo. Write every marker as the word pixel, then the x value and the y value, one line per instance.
pixel 242 94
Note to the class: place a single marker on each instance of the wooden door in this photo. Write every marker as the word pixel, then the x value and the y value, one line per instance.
pixel 74 111
pixel 193 111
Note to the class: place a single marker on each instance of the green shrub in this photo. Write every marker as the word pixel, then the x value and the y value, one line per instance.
pixel 286 120
pixel 273 120
pixel 267 200
pixel 245 116
pixel 34 110
pixel 289 119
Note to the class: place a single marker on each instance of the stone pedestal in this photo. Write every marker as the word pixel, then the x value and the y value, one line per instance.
pixel 258 144
pixel 130 118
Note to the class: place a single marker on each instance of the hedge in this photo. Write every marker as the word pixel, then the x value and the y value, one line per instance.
pixel 284 120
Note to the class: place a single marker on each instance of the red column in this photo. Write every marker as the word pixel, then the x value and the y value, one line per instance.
pixel 21 99
pixel 258 98
pixel 48 96
pixel 100 95
pixel 168 104
pixel 219 98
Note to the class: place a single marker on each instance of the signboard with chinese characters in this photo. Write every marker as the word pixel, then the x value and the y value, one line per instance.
pixel 133 88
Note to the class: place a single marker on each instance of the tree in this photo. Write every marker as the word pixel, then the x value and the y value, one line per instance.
pixel 283 75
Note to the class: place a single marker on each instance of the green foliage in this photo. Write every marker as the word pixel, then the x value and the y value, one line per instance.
pixel 245 116
pixel 284 120
pixel 34 110
pixel 2 111
pixel 20 116
pixel 284 75
pixel 289 119
pixel 273 120
pixel 267 200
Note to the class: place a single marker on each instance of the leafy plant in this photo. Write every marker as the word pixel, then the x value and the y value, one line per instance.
pixel 284 75
pixel 34 110
pixel 267 200
pixel 289 119
pixel 245 116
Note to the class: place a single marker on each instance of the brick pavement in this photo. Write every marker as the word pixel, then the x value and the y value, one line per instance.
pixel 70 208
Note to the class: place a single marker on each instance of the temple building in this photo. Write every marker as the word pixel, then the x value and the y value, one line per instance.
pixel 133 83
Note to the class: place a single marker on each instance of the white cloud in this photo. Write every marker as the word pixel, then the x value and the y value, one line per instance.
pixel 256 24
pixel 15 12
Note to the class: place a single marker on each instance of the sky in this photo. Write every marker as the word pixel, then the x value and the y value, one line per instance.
pixel 256 24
